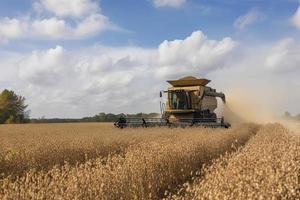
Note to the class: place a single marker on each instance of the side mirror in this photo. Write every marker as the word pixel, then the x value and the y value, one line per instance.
pixel 160 94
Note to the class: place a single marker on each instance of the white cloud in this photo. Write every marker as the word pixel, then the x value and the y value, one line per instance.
pixel 61 83
pixel 96 79
pixel 169 3
pixel 195 54
pixel 12 29
pixel 74 83
pixel 52 27
pixel 59 29
pixel 249 18
pixel 74 19
pixel 93 24
pixel 45 67
pixel 284 56
pixel 296 19
pixel 73 8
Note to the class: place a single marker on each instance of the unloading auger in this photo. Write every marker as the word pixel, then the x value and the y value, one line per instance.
pixel 189 102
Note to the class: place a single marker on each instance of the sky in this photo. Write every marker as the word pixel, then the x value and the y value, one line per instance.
pixel 81 57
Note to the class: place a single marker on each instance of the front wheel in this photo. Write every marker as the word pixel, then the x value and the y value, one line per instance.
pixel 120 123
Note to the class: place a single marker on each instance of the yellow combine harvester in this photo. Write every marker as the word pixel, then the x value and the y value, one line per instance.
pixel 189 102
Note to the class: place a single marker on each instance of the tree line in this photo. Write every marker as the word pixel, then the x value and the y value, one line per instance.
pixel 101 117
pixel 12 108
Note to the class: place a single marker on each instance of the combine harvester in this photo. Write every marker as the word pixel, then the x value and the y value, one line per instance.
pixel 189 102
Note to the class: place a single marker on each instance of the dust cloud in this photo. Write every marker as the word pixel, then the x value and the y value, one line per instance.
pixel 246 106
pixel 291 125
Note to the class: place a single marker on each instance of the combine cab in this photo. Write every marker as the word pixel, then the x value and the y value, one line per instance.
pixel 189 102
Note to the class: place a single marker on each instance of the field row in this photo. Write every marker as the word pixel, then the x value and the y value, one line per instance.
pixel 42 146
pixel 268 167
pixel 164 159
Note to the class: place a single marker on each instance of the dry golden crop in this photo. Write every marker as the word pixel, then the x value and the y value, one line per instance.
pixel 268 167
pixel 41 146
pixel 157 159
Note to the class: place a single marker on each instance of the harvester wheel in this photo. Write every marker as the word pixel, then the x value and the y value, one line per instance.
pixel 121 123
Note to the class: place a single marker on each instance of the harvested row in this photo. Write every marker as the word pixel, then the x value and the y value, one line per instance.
pixel 41 146
pixel 268 167
pixel 145 171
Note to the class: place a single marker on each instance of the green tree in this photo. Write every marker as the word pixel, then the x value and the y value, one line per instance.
pixel 12 107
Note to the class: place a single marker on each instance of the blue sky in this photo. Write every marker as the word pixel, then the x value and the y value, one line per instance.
pixel 147 26
pixel 67 53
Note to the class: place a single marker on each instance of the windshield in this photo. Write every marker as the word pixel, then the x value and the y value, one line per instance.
pixel 179 100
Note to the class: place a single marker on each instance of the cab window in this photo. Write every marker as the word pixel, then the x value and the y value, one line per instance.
pixel 179 100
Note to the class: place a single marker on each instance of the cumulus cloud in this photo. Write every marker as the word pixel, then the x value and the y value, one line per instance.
pixel 68 20
pixel 59 29
pixel 249 18
pixel 296 19
pixel 93 24
pixel 67 8
pixel 12 28
pixel 77 83
pixel 62 83
pixel 284 56
pixel 195 54
pixel 44 67
pixel 169 3
pixel 51 27
pixel 103 78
